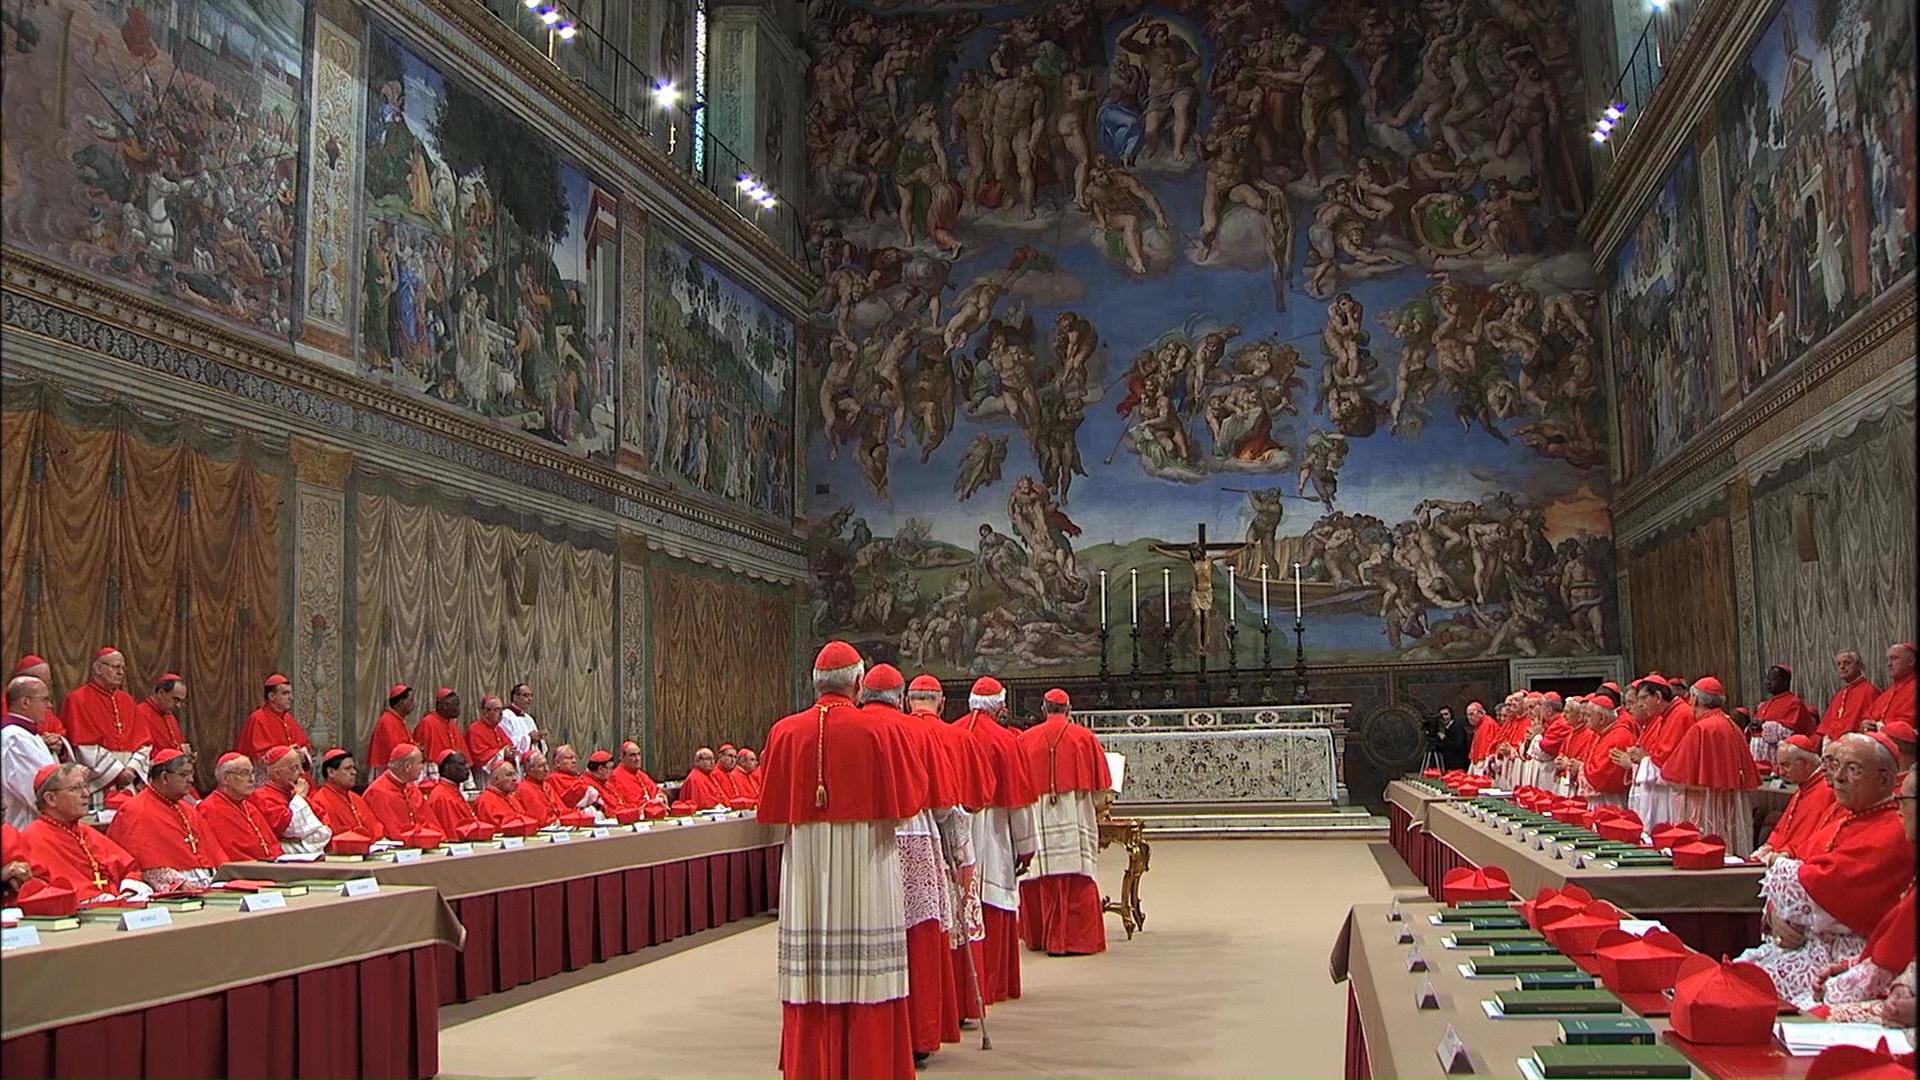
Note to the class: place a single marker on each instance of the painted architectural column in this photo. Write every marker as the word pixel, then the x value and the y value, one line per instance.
pixel 633 680
pixel 1746 661
pixel 754 83
pixel 328 291
pixel 320 683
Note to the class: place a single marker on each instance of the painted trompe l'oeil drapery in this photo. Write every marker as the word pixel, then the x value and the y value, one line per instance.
pixel 146 533
pixel 720 663
pixel 446 600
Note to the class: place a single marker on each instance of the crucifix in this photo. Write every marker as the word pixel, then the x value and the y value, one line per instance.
pixel 1200 555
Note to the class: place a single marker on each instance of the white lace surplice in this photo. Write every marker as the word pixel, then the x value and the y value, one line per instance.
pixel 1000 836
pixel 1651 796
pixel 1829 940
pixel 925 889
pixel 843 930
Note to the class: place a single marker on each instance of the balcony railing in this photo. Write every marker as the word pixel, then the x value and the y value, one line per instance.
pixel 1643 68
pixel 666 121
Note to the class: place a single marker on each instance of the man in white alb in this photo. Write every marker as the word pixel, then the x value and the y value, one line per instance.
pixel 517 721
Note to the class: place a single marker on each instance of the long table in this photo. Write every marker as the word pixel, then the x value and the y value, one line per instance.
pixel 1388 1034
pixel 1407 808
pixel 1714 911
pixel 326 986
pixel 544 908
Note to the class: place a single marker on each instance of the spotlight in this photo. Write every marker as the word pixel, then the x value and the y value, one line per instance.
pixel 1599 137
pixel 567 30
pixel 1604 127
pixel 531 4
pixel 1615 111
pixel 664 95
pixel 549 15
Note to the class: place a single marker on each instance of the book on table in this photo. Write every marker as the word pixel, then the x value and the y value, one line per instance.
pixel 1555 980
pixel 178 903
pixel 1513 965
pixel 1524 948
pixel 1549 1002
pixel 1488 937
pixel 1589 1062
pixel 47 923
pixel 1609 1030
pixel 1497 922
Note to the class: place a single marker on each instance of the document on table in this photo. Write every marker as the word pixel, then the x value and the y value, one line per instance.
pixel 1806 1039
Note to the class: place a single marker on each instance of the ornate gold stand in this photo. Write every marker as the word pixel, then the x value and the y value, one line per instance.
pixel 1129 833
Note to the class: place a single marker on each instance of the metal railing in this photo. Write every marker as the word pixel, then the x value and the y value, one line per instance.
pixel 605 71
pixel 1643 68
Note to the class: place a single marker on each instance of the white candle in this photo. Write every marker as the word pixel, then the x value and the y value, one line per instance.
pixel 1166 597
pixel 1296 592
pixel 1229 593
pixel 1133 576
pixel 1103 599
pixel 1263 592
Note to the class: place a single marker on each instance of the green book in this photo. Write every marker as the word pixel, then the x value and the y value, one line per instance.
pixel 1546 1002
pixel 1497 922
pixel 1513 965
pixel 1654 1062
pixel 1489 937
pixel 1605 1030
pixel 1555 980
pixel 49 923
pixel 191 903
pixel 1524 948
pixel 1649 859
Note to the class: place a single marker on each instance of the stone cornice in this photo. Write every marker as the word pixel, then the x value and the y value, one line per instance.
pixel 1879 336
pixel 595 132
pixel 53 303
pixel 1716 40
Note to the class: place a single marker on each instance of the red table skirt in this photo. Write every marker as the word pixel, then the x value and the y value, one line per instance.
pixel 371 1018
pixel 1357 1067
pixel 520 935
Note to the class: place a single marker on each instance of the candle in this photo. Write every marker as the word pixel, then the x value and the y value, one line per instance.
pixel 1133 576
pixel 1166 597
pixel 1296 592
pixel 1229 594
pixel 1263 592
pixel 1103 599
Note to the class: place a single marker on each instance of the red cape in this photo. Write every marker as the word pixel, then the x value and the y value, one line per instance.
pixel 239 828
pixel 971 771
pixel 449 809
pixel 1867 864
pixel 1554 736
pixel 1713 753
pixel 72 856
pixel 162 728
pixel 155 833
pixel 1788 711
pixel 484 743
pixel 1597 767
pixel 1664 732
pixel 1485 733
pixel 96 717
pixel 388 732
pixel 265 729
pixel 634 786
pixel 1890 946
pixel 864 761
pixel 1847 708
pixel 930 750
pixel 1810 809
pixel 1893 703
pixel 400 807
pixel 1061 755
pixel 435 734
pixel 1012 787
pixel 275 806
pixel 497 809
pixel 344 811
pixel 534 802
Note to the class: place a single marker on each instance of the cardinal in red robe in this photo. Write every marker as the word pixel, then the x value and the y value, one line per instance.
pixel 439 731
pixel 569 790
pixel 452 814
pixel 395 796
pixel 1486 730
pixel 746 777
pixel 841 779
pixel 531 795
pixel 343 809
pixel 631 782
pixel 487 743
pixel 1713 769
pixel 1605 776
pixel 702 788
pixel 272 724
pixel 1784 708
pixel 1061 910
pixel 105 728
pixel 160 712
pixel 235 821
pixel 390 729
pixel 1811 807
pixel 162 829
pixel 496 805
pixel 1849 704
pixel 1895 703
pixel 75 857
pixel 972 788
pixel 1003 839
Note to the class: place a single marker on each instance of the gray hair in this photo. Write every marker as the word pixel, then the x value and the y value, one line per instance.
pixel 1792 750
pixel 987 703
pixel 19 687
pixel 1854 654
pixel 57 776
pixel 232 765
pixel 926 697
pixel 885 697
pixel 1707 700
pixel 1882 757
pixel 845 680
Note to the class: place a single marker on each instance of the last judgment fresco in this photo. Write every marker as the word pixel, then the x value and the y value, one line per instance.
pixel 1099 273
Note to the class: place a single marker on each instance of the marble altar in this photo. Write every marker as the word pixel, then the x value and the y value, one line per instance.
pixel 1252 756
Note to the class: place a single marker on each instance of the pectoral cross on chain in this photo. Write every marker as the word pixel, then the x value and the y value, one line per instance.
pixel 1200 556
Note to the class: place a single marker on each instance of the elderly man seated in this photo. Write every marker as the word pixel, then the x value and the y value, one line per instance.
pixel 339 806
pixel 702 787
pixel 231 815
pixel 163 829
pixel 75 856
pixel 1820 909
pixel 395 796
pixel 1877 986
pixel 1809 810
pixel 283 802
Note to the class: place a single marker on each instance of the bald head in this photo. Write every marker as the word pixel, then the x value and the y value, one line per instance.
pixel 28 696
pixel 1864 773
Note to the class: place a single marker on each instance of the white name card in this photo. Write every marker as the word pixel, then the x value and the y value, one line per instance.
pixel 601 832
pixel 559 837
pixel 265 900
pixel 360 886
pixel 1393 910
pixel 510 842
pixel 459 849
pixel 407 855
pixel 12 914
pixel 643 826
pixel 1453 1053
pixel 1425 997
pixel 145 918
pixel 19 937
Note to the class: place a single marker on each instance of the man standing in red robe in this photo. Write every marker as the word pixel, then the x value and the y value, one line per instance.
pixel 1605 774
pixel 701 788
pixel 631 782
pixel 1896 701
pixel 1663 720
pixel 234 821
pixel 841 780
pixel 488 744
pixel 272 724
pixel 339 806
pixel 390 729
pixel 1713 772
pixel 439 731
pixel 164 831
pixel 51 724
pixel 1063 914
pixel 1003 839
pixel 283 803
pixel 161 713
pixel 1486 732
pixel 396 799
pixel 1810 809
pixel 1849 704
pixel 973 778
pixel 1783 713
pixel 75 856
pixel 1820 909
pixel 105 728
pixel 452 814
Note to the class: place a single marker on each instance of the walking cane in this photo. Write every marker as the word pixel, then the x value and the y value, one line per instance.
pixel 966 953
